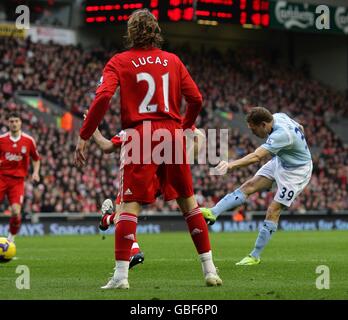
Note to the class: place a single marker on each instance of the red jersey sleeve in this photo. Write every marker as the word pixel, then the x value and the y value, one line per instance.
pixel 192 96
pixel 119 138
pixel 106 89
pixel 34 154
pixel 116 140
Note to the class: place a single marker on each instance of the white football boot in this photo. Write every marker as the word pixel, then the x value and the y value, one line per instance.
pixel 212 280
pixel 116 284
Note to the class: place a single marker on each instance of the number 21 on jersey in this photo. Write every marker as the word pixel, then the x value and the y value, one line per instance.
pixel 145 105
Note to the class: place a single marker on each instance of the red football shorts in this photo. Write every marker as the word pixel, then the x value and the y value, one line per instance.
pixel 141 182
pixel 156 185
pixel 13 188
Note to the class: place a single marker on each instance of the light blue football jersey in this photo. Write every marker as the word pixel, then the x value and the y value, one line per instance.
pixel 287 142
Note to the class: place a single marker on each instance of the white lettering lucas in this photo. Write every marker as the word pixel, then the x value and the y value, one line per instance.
pixel 142 61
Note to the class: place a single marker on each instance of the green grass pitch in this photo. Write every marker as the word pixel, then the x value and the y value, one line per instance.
pixel 74 267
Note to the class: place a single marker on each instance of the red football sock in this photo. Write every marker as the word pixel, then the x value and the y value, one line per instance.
pixel 135 247
pixel 108 219
pixel 125 231
pixel 134 251
pixel 15 224
pixel 198 229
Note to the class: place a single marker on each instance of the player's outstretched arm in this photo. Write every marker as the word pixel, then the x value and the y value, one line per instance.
pixel 106 145
pixel 249 159
pixel 254 157
pixel 103 143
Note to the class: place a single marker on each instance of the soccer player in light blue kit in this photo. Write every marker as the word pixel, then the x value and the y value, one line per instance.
pixel 291 169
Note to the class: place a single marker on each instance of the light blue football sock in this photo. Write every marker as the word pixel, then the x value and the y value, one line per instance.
pixel 269 227
pixel 229 201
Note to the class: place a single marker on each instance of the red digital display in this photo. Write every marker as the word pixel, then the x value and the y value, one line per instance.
pixel 101 11
pixel 252 12
pixel 179 10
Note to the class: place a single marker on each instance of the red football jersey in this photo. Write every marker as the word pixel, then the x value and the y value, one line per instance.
pixel 15 154
pixel 152 83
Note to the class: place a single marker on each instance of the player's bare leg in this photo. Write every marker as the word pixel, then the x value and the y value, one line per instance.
pixel 273 211
pixel 125 230
pixel 200 236
pixel 15 221
pixel 255 184
pixel 269 227
pixel 236 198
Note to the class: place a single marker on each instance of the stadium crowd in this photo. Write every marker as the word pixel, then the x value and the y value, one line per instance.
pixel 232 83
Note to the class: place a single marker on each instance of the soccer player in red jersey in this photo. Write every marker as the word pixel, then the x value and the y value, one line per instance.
pixel 152 83
pixel 16 149
pixel 109 213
